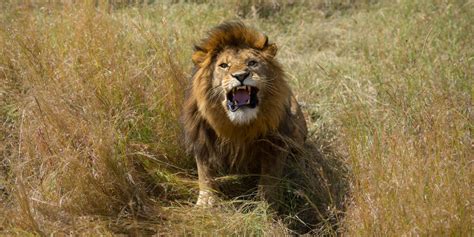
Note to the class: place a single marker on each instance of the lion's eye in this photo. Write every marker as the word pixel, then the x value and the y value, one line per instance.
pixel 252 63
pixel 224 65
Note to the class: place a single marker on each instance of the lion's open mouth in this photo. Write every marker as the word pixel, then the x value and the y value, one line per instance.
pixel 241 96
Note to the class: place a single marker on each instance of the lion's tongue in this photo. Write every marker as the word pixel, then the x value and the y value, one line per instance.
pixel 242 97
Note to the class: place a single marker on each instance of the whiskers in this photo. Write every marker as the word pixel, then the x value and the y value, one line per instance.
pixel 214 94
pixel 268 85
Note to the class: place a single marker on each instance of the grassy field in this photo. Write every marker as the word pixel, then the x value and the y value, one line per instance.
pixel 91 93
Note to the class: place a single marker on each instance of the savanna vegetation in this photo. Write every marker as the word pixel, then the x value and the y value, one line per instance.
pixel 91 94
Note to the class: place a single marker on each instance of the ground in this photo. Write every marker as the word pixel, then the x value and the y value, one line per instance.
pixel 91 93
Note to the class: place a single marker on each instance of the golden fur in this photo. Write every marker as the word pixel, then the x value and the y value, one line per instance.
pixel 256 145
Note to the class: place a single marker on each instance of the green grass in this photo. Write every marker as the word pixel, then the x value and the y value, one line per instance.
pixel 90 100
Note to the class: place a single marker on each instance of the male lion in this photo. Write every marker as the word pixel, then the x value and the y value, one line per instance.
pixel 240 116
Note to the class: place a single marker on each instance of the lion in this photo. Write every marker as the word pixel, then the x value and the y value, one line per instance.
pixel 240 115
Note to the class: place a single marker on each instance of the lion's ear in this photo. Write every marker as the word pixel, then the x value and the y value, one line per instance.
pixel 198 56
pixel 269 49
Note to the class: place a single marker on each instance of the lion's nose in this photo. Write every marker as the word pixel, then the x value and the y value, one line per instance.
pixel 241 76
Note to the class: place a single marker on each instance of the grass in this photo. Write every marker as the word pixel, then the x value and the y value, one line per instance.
pixel 90 99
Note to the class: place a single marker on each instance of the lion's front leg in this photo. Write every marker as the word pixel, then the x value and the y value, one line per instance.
pixel 207 185
pixel 270 184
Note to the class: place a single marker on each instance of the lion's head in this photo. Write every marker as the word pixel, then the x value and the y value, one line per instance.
pixel 238 84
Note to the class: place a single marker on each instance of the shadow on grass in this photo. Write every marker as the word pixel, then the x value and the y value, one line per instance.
pixel 316 189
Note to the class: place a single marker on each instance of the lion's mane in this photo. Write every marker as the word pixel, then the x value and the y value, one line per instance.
pixel 208 130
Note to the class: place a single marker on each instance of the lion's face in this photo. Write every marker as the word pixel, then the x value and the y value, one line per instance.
pixel 240 75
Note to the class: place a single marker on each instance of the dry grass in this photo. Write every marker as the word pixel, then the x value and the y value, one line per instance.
pixel 90 99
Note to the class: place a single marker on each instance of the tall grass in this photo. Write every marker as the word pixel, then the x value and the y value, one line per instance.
pixel 98 110
pixel 410 145
pixel 91 93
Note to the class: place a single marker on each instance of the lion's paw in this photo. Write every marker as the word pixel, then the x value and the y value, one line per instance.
pixel 205 199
